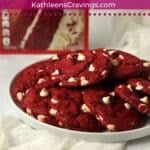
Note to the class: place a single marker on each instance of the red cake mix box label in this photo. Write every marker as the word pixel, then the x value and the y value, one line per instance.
pixel 42 29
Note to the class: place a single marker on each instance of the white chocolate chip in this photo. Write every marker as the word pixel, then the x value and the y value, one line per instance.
pixel 27 90
pixel 84 81
pixel 41 80
pixel 146 64
pixel 54 101
pixel 81 57
pixel 72 79
pixel 44 92
pixel 54 57
pixel 129 87
pixel 60 84
pixel 145 100
pixel 105 55
pixel 60 124
pixel 114 62
pixel 93 51
pixel 41 118
pixel 111 127
pixel 85 108
pixel 104 72
pixel 53 112
pixel 120 86
pixel 53 78
pixel 112 93
pixel 20 96
pixel 111 52
pixel 139 87
pixel 132 123
pixel 100 118
pixel 127 106
pixel 104 49
pixel 91 68
pixel 40 70
pixel 56 72
pixel 106 100
pixel 121 57
pixel 69 56
pixel 28 110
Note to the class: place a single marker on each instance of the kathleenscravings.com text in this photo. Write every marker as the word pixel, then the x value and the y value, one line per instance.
pixel 72 5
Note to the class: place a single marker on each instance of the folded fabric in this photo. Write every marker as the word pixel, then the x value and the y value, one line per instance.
pixel 15 135
pixel 131 34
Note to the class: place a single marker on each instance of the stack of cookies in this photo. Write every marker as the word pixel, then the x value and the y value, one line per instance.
pixel 97 90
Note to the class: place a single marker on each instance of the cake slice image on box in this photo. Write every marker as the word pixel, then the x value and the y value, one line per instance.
pixel 42 29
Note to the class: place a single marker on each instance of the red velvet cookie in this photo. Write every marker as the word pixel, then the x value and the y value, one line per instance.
pixel 57 106
pixel 112 113
pixel 36 103
pixel 73 69
pixel 132 94
pixel 39 74
pixel 140 84
pixel 82 68
pixel 124 65
pixel 35 75
pixel 70 110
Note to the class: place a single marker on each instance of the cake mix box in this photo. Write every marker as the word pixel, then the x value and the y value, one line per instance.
pixel 41 29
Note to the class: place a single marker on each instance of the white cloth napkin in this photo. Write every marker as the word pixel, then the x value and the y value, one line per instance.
pixel 131 34
pixel 128 33
pixel 15 135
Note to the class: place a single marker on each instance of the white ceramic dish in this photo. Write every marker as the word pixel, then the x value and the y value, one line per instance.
pixel 95 137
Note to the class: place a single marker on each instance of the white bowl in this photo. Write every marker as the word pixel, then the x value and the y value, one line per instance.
pixel 90 136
